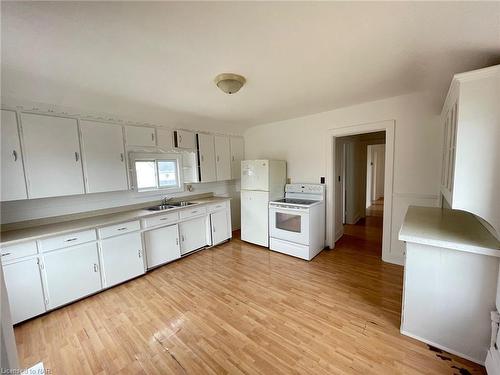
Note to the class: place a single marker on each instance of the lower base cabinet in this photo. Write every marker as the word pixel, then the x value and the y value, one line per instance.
pixel 72 273
pixel 162 245
pixel 219 227
pixel 24 289
pixel 193 234
pixel 122 258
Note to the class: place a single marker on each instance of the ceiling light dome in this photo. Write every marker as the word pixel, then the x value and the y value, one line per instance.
pixel 230 83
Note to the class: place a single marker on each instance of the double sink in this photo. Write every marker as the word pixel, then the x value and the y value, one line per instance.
pixel 169 206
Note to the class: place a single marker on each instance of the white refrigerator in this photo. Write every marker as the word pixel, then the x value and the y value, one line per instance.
pixel 261 181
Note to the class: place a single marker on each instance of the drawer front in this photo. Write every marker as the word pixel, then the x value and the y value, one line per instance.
pixel 168 218
pixel 67 240
pixel 217 206
pixel 18 251
pixel 193 212
pixel 117 229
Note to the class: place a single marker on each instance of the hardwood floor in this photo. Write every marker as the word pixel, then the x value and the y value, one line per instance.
pixel 239 308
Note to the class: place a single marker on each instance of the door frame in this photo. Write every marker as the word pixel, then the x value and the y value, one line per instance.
pixel 389 127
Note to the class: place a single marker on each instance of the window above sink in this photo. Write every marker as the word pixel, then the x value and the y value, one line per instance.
pixel 157 172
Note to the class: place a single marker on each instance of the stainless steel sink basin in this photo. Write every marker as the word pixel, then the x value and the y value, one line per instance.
pixel 160 207
pixel 181 204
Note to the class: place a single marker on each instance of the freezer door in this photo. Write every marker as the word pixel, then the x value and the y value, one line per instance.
pixel 255 175
pixel 255 217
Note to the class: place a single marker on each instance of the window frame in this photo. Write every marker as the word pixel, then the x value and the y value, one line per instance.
pixel 155 157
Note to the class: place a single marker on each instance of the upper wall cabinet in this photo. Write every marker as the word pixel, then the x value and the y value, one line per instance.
pixel 184 139
pixel 206 154
pixel 164 139
pixel 140 136
pixel 13 185
pixel 237 155
pixel 103 157
pixel 52 156
pixel 470 179
pixel 222 157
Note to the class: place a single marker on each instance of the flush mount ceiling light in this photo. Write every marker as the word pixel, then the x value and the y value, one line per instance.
pixel 229 83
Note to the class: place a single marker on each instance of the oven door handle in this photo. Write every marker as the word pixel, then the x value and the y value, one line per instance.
pixel 288 209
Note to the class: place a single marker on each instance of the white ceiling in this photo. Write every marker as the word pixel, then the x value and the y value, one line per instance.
pixel 158 60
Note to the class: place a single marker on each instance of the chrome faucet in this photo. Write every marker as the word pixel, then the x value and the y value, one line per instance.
pixel 165 200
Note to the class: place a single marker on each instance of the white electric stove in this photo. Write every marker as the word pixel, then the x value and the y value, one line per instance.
pixel 297 222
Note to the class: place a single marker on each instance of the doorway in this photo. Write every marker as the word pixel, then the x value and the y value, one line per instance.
pixel 345 145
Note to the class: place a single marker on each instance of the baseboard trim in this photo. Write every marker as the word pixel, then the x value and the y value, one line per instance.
pixel 442 347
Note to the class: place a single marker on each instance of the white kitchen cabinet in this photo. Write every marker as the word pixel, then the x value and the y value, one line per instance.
pixel 52 156
pixel 24 289
pixel 164 139
pixel 470 179
pixel 206 152
pixel 222 158
pixel 193 234
pixel 184 139
pixel 122 258
pixel 71 273
pixel 103 157
pixel 13 186
pixel 140 136
pixel 162 245
pixel 220 225
pixel 237 155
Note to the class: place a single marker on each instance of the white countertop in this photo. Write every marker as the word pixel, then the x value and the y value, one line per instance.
pixel 452 229
pixel 40 231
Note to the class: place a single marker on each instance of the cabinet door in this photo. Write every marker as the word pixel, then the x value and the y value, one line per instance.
pixel 193 234
pixel 52 156
pixel 237 155
pixel 164 139
pixel 219 227
pixel 13 185
pixel 103 157
pixel 206 150
pixel 140 136
pixel 24 289
pixel 72 273
pixel 222 158
pixel 185 139
pixel 122 258
pixel 162 245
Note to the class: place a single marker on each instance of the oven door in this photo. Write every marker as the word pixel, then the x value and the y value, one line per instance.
pixel 289 224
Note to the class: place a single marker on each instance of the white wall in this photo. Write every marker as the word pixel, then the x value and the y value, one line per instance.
pixel 355 178
pixel 302 142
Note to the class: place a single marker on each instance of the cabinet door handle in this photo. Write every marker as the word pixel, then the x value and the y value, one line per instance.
pixel 77 156
pixel 233 158
pixel 182 237
pixel 180 138
pixel 14 154
pixel 71 239
pixel 5 254
pixel 153 137
pixel 213 228
pixel 122 228
pixel 139 253
pixel 121 157
pixel 95 267
pixel 177 241
pixel 217 158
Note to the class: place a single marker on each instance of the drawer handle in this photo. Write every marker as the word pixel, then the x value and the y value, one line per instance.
pixel 182 237
pixel 71 239
pixel 5 254
pixel 194 212
pixel 164 218
pixel 122 228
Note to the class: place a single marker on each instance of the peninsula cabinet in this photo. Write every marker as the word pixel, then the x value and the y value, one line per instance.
pixel 470 178
pixel 24 289
pixel 52 156
pixel 103 157
pixel 13 184
pixel 71 273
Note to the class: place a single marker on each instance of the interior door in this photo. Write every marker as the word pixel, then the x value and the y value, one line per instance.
pixel 24 289
pixel 237 155
pixel 255 175
pixel 162 245
pixel 122 258
pixel 255 217
pixel 193 234
pixel 103 157
pixel 223 158
pixel 72 273
pixel 13 185
pixel 52 156
pixel 220 230
pixel 206 149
